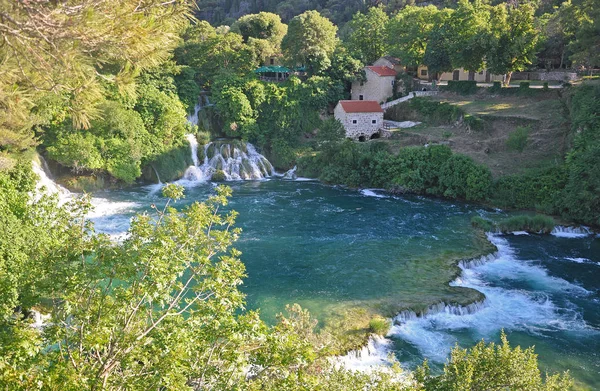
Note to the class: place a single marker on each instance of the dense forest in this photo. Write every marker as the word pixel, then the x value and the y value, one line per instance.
pixel 102 89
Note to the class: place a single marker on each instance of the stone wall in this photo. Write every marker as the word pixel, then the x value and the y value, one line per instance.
pixel 377 88
pixel 364 125
pixel 545 76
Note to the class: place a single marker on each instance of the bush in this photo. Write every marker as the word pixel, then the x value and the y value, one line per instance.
pixel 379 325
pixel 496 87
pixel 545 86
pixel 481 223
pixel 473 123
pixel 203 137
pixel 463 87
pixel 536 224
pixel 218 176
pixel 517 140
pixel 539 189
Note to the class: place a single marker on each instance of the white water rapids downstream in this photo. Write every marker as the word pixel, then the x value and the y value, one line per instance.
pixel 522 296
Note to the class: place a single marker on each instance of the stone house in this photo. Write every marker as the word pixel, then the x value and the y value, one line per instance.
pixel 460 74
pixel 390 62
pixel 361 119
pixel 379 85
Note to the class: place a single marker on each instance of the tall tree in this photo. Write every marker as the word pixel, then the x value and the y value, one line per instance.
pixel 512 39
pixel 492 367
pixel 263 31
pixel 586 46
pixel 311 40
pixel 66 49
pixel 367 39
pixel 409 30
pixel 437 56
pixel 468 39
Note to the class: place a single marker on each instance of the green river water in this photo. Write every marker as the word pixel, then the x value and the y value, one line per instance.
pixel 331 249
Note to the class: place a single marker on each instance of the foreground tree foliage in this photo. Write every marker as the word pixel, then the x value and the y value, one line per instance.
pixel 162 310
pixel 62 52
pixel 310 41
pixel 492 367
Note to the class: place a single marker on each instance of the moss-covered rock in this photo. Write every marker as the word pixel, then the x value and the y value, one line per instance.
pixel 170 166
pixel 218 176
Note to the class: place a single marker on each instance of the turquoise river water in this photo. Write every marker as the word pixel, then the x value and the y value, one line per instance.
pixel 330 249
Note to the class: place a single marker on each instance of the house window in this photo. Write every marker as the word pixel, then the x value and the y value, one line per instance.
pixel 272 61
pixel 361 97
pixel 423 72
pixel 373 121
pixel 354 121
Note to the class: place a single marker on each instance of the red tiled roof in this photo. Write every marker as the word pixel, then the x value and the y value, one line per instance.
pixel 361 106
pixel 383 71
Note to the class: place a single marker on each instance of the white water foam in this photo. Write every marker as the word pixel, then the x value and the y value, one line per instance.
pixel 193 118
pixel 105 214
pixel 371 193
pixel 372 356
pixel 45 182
pixel 530 310
pixel 570 232
pixel 234 162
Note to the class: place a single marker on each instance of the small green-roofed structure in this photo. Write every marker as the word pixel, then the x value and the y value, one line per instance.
pixel 273 73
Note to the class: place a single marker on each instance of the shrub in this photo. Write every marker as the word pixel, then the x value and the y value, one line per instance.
pixel 203 137
pixel 379 325
pixel 496 87
pixel 473 123
pixel 539 189
pixel 545 86
pixel 463 87
pixel 517 140
pixel 524 85
pixel 218 176
pixel 481 223
pixel 536 224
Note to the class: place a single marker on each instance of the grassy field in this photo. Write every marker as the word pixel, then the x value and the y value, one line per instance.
pixel 542 114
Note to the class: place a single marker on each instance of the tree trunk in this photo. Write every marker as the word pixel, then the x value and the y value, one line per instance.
pixel 507 79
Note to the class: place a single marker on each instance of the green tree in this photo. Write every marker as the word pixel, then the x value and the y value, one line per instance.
pixel 263 32
pixel 264 25
pixel 367 39
pixel 492 367
pixel 310 41
pixel 512 40
pixel 468 31
pixel 65 50
pixel 586 46
pixel 437 56
pixel 212 55
pixel 409 30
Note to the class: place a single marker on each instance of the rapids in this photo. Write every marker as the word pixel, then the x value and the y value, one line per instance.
pixel 236 160
pixel 331 249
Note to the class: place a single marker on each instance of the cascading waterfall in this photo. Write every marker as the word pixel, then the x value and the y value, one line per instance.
pixel 46 182
pixel 570 232
pixel 234 159
pixel 291 174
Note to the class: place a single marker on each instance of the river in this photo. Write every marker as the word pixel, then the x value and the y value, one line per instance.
pixel 330 249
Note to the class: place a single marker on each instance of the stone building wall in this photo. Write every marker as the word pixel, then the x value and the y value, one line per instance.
pixel 377 88
pixel 364 125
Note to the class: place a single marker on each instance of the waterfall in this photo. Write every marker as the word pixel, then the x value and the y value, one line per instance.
pixel 291 174
pixel 41 170
pixel 570 232
pixel 193 118
pixel 157 176
pixel 229 160
pixel 440 308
